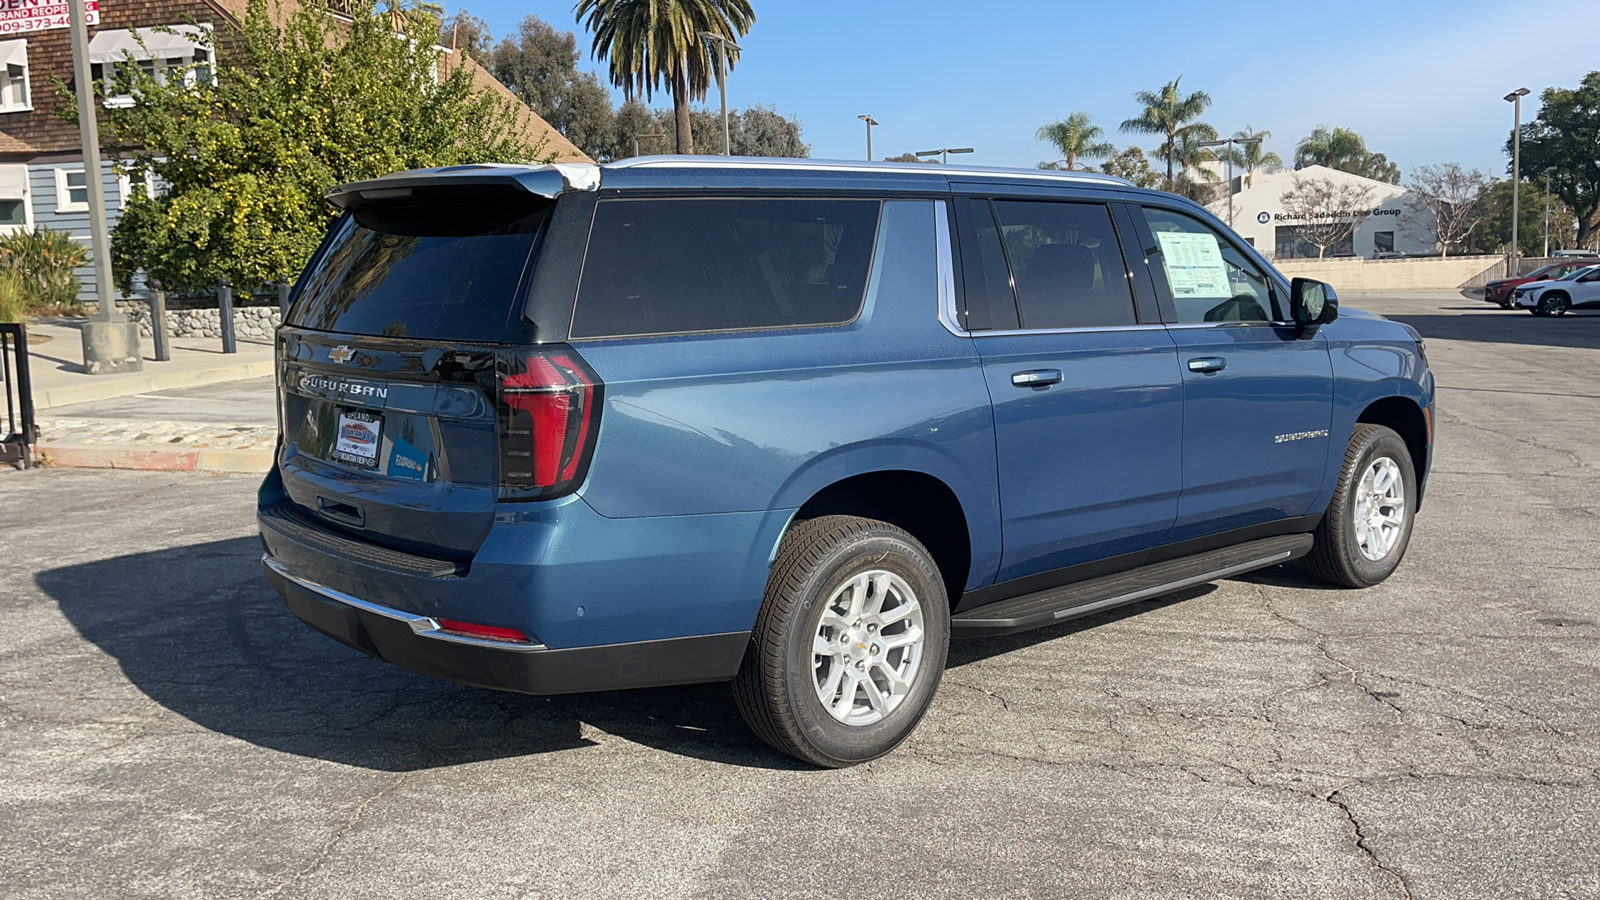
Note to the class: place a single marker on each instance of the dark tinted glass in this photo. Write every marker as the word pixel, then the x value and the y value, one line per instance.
pixel 986 282
pixel 680 265
pixel 444 267
pixel 1209 278
pixel 1067 265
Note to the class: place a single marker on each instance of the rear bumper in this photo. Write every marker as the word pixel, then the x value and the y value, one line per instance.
pixel 415 642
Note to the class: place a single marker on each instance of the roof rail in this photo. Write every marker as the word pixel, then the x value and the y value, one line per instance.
pixel 845 165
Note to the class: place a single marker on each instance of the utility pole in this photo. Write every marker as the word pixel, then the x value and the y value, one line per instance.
pixel 722 82
pixel 110 340
pixel 1513 268
pixel 637 135
pixel 1547 173
pixel 870 122
pixel 1230 143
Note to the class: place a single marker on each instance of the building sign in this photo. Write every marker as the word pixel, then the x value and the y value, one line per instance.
pixel 1265 217
pixel 24 16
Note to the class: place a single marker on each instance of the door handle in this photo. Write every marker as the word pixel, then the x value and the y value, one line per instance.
pixel 1036 378
pixel 1208 364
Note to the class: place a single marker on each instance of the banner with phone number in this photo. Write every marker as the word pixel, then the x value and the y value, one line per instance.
pixel 27 16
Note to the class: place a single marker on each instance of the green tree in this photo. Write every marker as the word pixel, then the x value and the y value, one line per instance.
pixel 1250 157
pixel 1345 150
pixel 1131 164
pixel 466 33
pixel 763 131
pixel 1565 136
pixel 1172 114
pixel 1075 138
pixel 540 65
pixel 651 43
pixel 1494 234
pixel 907 158
pixel 293 110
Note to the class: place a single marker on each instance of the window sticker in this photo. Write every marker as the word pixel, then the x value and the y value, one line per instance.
pixel 1194 265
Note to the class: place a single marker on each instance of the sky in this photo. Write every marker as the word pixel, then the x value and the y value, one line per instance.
pixel 1421 80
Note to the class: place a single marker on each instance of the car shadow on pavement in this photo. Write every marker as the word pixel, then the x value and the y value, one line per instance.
pixel 199 631
pixel 1577 330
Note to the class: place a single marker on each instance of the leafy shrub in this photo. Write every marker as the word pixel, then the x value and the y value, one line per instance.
pixel 43 261
pixel 13 305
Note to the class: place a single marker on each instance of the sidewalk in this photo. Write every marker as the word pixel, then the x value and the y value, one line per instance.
pixel 55 351
pixel 203 410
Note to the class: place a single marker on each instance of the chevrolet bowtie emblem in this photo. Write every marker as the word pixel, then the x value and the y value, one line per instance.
pixel 341 354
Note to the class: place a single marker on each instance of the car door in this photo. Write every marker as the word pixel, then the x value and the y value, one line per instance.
pixel 1087 396
pixel 1586 290
pixel 1258 395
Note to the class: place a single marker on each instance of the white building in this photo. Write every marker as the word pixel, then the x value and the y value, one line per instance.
pixel 1259 216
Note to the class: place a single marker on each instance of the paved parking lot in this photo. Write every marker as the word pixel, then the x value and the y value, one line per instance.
pixel 167 730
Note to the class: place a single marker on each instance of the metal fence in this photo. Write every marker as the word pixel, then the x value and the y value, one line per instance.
pixel 21 432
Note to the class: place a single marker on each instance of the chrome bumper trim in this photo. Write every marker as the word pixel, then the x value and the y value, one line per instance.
pixel 423 625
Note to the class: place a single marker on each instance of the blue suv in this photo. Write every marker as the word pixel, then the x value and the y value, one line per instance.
pixel 796 424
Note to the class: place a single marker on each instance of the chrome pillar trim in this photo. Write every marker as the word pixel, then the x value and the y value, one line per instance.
pixel 949 316
pixel 424 626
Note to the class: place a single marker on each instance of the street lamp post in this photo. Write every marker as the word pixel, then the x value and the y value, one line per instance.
pixel 870 122
pixel 944 153
pixel 1515 99
pixel 1547 173
pixel 637 135
pixel 1229 143
pixel 722 82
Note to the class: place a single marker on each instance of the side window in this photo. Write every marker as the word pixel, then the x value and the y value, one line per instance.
pixel 986 282
pixel 674 266
pixel 1210 280
pixel 1067 264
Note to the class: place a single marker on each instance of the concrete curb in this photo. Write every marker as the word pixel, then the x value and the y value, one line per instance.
pixel 145 382
pixel 153 458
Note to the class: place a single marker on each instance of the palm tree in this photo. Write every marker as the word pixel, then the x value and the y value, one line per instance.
pixel 1171 114
pixel 654 42
pixel 1339 148
pixel 1075 138
pixel 1249 156
pixel 424 14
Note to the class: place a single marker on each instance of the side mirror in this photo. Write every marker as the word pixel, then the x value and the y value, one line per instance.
pixel 1313 305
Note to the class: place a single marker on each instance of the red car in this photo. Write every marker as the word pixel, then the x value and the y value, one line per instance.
pixel 1500 291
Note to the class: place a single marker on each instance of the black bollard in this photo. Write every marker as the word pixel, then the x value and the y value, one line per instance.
pixel 225 313
pixel 158 320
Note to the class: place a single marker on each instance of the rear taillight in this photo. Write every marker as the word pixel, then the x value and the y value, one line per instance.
pixel 483 632
pixel 549 407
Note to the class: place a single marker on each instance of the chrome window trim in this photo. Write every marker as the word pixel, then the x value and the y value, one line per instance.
pixel 424 626
pixel 1086 329
pixel 949 316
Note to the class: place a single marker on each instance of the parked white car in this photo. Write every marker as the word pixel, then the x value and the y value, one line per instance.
pixel 1579 289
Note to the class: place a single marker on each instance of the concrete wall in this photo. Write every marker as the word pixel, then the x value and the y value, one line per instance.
pixel 1431 274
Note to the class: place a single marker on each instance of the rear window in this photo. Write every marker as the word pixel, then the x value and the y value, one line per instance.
pixel 438 265
pixel 671 266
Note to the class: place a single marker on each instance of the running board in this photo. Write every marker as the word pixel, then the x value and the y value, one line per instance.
pixel 1069 601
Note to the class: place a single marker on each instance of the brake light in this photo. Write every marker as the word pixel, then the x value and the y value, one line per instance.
pixel 486 632
pixel 549 407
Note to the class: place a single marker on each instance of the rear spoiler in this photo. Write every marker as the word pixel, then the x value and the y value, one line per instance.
pixel 544 181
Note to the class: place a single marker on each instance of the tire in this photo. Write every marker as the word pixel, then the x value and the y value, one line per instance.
pixel 1343 553
pixel 1551 304
pixel 1506 303
pixel 823 565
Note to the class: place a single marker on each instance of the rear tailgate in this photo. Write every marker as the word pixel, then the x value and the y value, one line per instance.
pixel 403 328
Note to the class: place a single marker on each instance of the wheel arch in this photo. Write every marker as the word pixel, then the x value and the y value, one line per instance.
pixel 922 504
pixel 1407 418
